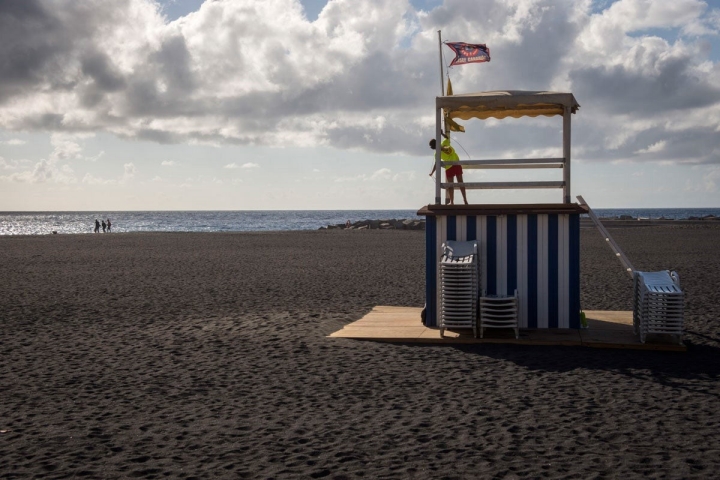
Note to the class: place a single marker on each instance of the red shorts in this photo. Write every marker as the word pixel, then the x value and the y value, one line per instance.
pixel 453 172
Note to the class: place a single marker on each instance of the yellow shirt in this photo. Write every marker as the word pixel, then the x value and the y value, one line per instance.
pixel 448 157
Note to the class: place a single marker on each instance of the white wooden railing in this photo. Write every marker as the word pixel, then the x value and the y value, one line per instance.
pixel 561 163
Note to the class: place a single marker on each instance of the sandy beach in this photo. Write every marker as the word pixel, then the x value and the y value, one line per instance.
pixel 204 355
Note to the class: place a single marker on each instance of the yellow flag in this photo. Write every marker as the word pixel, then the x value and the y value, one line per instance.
pixel 451 124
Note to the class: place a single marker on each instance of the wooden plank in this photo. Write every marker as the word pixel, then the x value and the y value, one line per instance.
pixel 544 336
pixel 608 329
pixel 506 161
pixel 623 317
pixel 501 209
pixel 400 333
pixel 614 329
pixel 501 185
pixel 519 163
pixel 513 167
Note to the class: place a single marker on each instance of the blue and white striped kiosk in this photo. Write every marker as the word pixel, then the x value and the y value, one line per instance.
pixel 533 249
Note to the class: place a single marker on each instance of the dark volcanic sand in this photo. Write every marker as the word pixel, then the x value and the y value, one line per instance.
pixel 204 355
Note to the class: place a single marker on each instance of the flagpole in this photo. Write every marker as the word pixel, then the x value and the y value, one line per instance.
pixel 438 129
pixel 442 80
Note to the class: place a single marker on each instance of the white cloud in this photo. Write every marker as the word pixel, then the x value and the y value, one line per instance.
pixel 382 174
pixel 234 165
pixel 633 15
pixel 7 165
pixel 65 146
pixel 96 157
pixel 356 178
pixel 711 180
pixel 90 179
pixel 68 146
pixel 238 72
pixel 13 141
pixel 44 171
pixel 655 147
pixel 168 163
pixel 404 177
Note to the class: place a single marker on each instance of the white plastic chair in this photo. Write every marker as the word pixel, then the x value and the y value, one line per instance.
pixel 499 311
pixel 459 285
pixel 659 304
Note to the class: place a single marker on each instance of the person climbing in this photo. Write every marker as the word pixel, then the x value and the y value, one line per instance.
pixel 447 154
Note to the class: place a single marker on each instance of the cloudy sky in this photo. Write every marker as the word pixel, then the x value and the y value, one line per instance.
pixel 314 104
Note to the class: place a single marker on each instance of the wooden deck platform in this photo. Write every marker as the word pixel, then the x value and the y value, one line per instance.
pixel 606 329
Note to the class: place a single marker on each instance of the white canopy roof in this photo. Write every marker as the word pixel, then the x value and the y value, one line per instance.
pixel 509 103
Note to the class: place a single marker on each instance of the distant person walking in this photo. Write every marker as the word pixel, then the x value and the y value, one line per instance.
pixel 104 226
pixel 109 225
pixel 97 226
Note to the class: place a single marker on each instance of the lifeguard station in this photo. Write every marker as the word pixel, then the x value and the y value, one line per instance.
pixel 531 249
pixel 517 266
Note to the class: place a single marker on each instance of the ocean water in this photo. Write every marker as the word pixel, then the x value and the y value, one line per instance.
pixel 44 223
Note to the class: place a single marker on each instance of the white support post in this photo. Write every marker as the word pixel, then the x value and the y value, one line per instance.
pixel 566 154
pixel 438 149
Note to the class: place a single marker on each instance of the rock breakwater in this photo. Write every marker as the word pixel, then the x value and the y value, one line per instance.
pixel 389 224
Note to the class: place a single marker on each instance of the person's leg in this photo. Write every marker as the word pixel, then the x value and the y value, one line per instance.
pixel 462 189
pixel 450 195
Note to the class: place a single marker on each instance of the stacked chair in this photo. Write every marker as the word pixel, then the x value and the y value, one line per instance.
pixel 459 285
pixel 499 311
pixel 658 304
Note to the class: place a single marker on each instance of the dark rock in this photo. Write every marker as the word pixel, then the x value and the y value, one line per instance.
pixel 388 224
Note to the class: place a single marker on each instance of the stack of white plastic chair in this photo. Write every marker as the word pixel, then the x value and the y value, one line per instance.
pixel 459 285
pixel 499 311
pixel 658 304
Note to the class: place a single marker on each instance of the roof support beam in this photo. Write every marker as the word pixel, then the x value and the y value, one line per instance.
pixel 566 154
